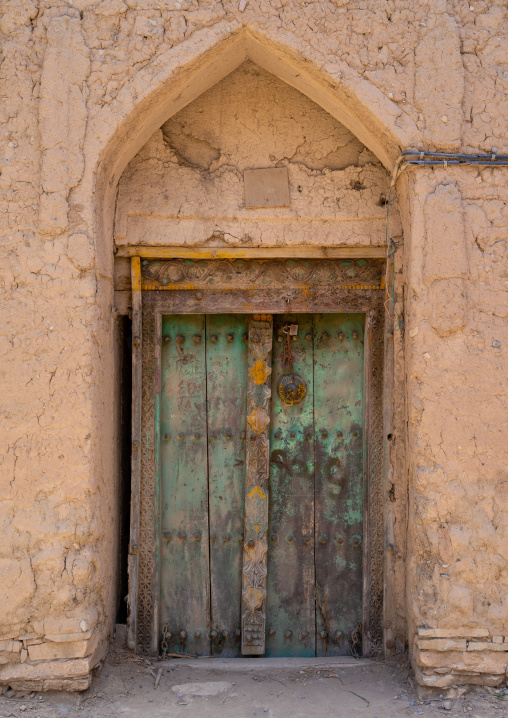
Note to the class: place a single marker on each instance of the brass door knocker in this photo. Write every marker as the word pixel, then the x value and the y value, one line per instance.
pixel 292 388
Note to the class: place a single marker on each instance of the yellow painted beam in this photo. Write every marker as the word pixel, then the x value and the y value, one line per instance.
pixel 368 252
pixel 136 273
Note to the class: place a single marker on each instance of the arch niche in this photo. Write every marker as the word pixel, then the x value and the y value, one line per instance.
pixel 174 80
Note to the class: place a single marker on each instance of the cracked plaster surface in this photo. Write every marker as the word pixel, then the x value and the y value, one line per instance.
pixel 438 67
pixel 186 184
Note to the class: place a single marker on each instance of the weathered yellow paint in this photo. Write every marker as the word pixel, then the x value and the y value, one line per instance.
pixel 136 274
pixel 251 252
pixel 260 372
pixel 259 491
pixel 150 285
pixel 258 419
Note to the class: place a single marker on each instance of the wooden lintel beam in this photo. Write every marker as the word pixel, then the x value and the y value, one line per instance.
pixel 369 252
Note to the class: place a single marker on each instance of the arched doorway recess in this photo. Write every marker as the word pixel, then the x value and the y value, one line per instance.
pixel 217 65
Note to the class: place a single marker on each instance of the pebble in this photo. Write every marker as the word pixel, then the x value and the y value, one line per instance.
pixel 447 705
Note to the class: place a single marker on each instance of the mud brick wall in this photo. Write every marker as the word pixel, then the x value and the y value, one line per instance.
pixel 92 93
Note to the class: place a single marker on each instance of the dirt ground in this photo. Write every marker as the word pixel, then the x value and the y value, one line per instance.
pixel 126 685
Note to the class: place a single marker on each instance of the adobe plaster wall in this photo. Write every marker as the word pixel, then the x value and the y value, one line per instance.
pixel 185 186
pixel 84 86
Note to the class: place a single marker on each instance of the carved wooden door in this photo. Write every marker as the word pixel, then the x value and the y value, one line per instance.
pixel 262 484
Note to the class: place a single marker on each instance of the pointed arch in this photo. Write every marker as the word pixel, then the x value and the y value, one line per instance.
pixel 176 77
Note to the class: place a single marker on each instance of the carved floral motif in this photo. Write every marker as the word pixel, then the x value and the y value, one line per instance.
pixel 261 274
pixel 256 495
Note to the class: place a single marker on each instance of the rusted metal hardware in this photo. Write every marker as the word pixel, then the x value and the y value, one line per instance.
pixel 292 390
pixel 290 332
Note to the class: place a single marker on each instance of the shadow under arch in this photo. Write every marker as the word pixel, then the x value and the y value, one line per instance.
pixel 180 75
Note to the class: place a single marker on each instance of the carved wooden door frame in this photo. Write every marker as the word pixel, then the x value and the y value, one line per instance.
pixel 252 286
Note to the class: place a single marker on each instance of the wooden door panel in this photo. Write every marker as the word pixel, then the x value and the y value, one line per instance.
pixel 185 593
pixel 290 581
pixel 226 372
pixel 338 415
pixel 315 485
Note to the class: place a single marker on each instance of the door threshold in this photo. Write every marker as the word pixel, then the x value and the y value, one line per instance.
pixel 259 664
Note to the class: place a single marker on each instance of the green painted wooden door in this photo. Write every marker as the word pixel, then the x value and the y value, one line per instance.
pixel 203 414
pixel 315 554
pixel 315 537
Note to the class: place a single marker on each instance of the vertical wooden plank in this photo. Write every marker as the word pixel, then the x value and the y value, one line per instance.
pixel 226 360
pixel 185 592
pixel 367 418
pixel 256 485
pixel 338 411
pixel 290 602
pixel 133 560
pixel 156 632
